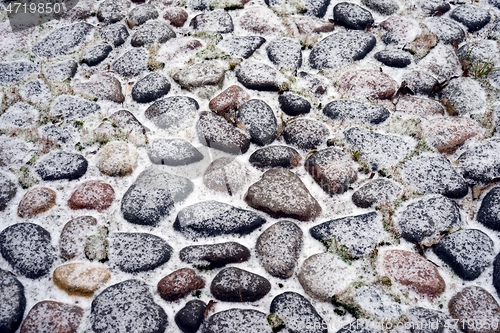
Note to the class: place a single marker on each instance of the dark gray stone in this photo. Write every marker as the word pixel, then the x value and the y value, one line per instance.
pixel 216 21
pixel 132 63
pixel 343 110
pixel 150 88
pixel 375 192
pixel 425 220
pixel 19 115
pixel 275 156
pixel 257 76
pixel 357 235
pixel 241 46
pixel 480 163
pixel 62 165
pixel 237 320
pixel 447 30
pixel 16 71
pixel 27 248
pixel 72 107
pixel 480 51
pixel 285 53
pixel 420 83
pixel 496 273
pixel 8 189
pixel 152 32
pixel 465 95
pixel 394 58
pixel 115 34
pixel 170 112
pixel 111 11
pixel 385 7
pixel 95 55
pixel 173 152
pixel 215 255
pixel 489 211
pixel 352 16
pixel 298 314
pixel 138 252
pixel 215 132
pixel 13 302
pixel 141 14
pixel 341 49
pixel 293 104
pixel 473 17
pixel 468 252
pixel 63 40
pixel 434 174
pixel 305 134
pixel 152 196
pixel 237 285
pixel 111 310
pixel 35 91
pixel 62 71
pixel 190 317
pixel 259 120
pixel 434 7
pixel 316 7
pixel 213 218
pixel 428 321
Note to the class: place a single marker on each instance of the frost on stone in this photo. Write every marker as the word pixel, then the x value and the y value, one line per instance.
pixel 15 151
pixel 217 21
pixel 19 115
pixel 173 152
pixel 131 63
pixel 285 53
pixel 72 107
pixel 215 255
pixel 96 245
pixel 16 71
pixel 241 46
pixel 442 62
pixel 208 72
pixel 465 96
pixel 447 30
pixel 171 112
pixel 61 71
pixel 152 32
pixel 375 192
pixel 377 305
pixel 35 91
pixel 61 165
pixel 259 120
pixel 481 163
pixel 343 110
pixel 74 235
pixel 12 302
pixel 237 320
pixel 258 76
pixel 63 40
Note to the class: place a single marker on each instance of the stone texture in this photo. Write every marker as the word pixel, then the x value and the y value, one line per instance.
pixel 464 95
pixel 36 201
pixel 102 86
pixel 172 112
pixel 225 175
pixel 215 132
pixel 447 134
pixel 96 54
pixel 394 58
pixel 420 83
pixel 63 40
pixel 74 236
pixel 13 302
pixel 179 284
pixel 489 211
pixel 285 53
pixel 51 316
pixel 131 63
pixel 173 152
pixel 117 159
pixel 385 7
pixel 275 156
pixel 305 134
pixel 259 120
pixel 191 316
pixel 241 46
pixel 442 63
pixel 80 279
pixel 72 107
pixel 352 16
pixel 281 193
pixel 92 194
pixel 176 16
pixel 234 320
pixel 216 21
pixel 236 285
pixel 473 17
pixel 19 115
pixel 202 74
pixel 375 192
pixel 14 71
pixel 141 14
pixel 8 189
pixel 293 104
pixel 367 83
pixel 228 101
pixel 62 165
pixel 421 107
pixel 260 21
pixel 115 34
pixel 345 110
pixel 151 33
pixel 215 255
pixel 479 163
pixel 258 76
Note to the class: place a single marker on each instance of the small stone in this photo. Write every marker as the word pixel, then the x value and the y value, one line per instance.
pixel 468 252
pixel 489 211
pixel 413 271
pixel 237 285
pixel 15 152
pixel 281 193
pixel 80 279
pixel 74 235
pixel 92 194
pixel 447 134
pixel 258 76
pixel 442 63
pixel 225 175
pixel 116 34
pixel 475 305
pixel 305 134
pixel 426 220
pixel 150 33
pixel 241 46
pixel 213 218
pixel 173 152
pixel 308 24
pixel 51 316
pixel 179 284
pixel 35 91
pixel 62 165
pixel 357 236
pixel 422 44
pixel 482 51
pixel 352 16
pixel 138 252
pixel 323 275
pixel 171 112
pixel 13 302
pixel 332 170
pixel 62 70
pixel 216 21
pixel 36 201
pixel 447 30
pixel 96 245
pixel 285 53
pixel 8 189
pixel 111 11
pixel 96 54
pixel 215 132
pixel 259 120
pixel 114 302
pixel 385 7
pixel 237 320
pixel 293 104
pixel 206 73
pixel 430 173
pixel 14 71
pixel 19 115
pixel 150 88
pixel 473 17
pixel 215 255
pixel 104 86
pixel 72 107
pixel 298 313
pixel 420 83
pixel 260 21
pixel 131 63
pixel 399 31
pixel 464 95
pixel 394 58
pixel 480 163
pixel 63 40
pixel 129 124
pixel 117 159
pixel 190 317
pixel 420 107
pixel 367 83
pixel 374 303
pixel 141 14
pixel 27 248
pixel 435 7
pixel 275 156
pixel 176 16
pixel 431 321
pixel 376 192
pixel 343 110
pixel 228 100
pixel 340 49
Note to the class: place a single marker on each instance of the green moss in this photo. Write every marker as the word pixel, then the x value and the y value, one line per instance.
pixel 96 246
pixel 78 124
pixel 351 307
pixel 24 176
pixel 277 324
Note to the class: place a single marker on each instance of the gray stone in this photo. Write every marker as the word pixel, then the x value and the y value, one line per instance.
pixel 489 211
pixel 385 7
pixel 473 17
pixel 258 76
pixel 59 134
pixel 420 83
pixel 150 88
pixel 237 320
pixel 375 192
pixel 74 236
pixel 16 71
pixel 447 30
pixel 111 11
pixel 152 32
pixel 72 107
pixel 190 317
pixel 434 7
pixel 206 73
pixel 216 21
pixel 173 152
pixel 35 91
pixel 215 255
pixel 285 53
pixel 428 320
pixel 19 115
pixel 8 189
pixel 61 165
pixel 131 63
pixel 305 134
pixel 241 46
pixel 141 14
pixel 103 86
pixel 479 163
pixel 442 63
pixel 96 54
pixel 115 34
pixel 237 285
pixel 352 16
pixel 169 113
pixel 13 302
pixel 465 95
pixel 275 156
pixel 343 110
pixel 293 104
pixel 63 40
pixel 225 175
pixel 316 7
pixel 394 58
pixel 215 132
pixel 259 120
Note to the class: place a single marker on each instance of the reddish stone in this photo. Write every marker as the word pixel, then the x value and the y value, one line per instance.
pixel 368 83
pixel 260 21
pixel 94 194
pixel 179 284
pixel 36 201
pixel 180 47
pixel 418 106
pixel 53 317
pixel 176 15
pixel 413 271
pixel 228 100
pixel 309 24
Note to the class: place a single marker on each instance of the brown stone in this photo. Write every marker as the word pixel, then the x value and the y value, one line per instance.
pixel 93 194
pixel 310 24
pixel 281 193
pixel 446 134
pixel 179 284
pixel 476 309
pixel 228 100
pixel 117 158
pixel 80 279
pixel 74 236
pixel 36 201
pixel 179 47
pixel 367 83
pixel 422 44
pixel 413 271
pixel 176 15
pixel 53 317
pixel 260 21
pixel 225 175
pixel 420 107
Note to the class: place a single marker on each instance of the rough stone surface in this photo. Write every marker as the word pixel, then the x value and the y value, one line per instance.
pixel 171 112
pixel 275 156
pixel 240 46
pixel 421 107
pixel 62 165
pixel 96 54
pixel 234 320
pixel 51 316
pixel 420 83
pixel 215 255
pixel 80 279
pixel 293 104
pixel 141 14
pixel 191 316
pixel 150 88
pixel 19 115
pixel 385 7
pixel 179 284
pixel 259 120
pixel 472 17
pixel 352 16
pixel 131 63
pixel 36 201
pixel 345 110
pixel 8 189
pixel 236 285
pixel 216 21
pixel 117 159
pixel 176 16
pixel 367 83
pixel 394 58
pixel 111 11
pixel 447 134
pixel 228 101
pixel 72 107
pixel 376 192
pixel 16 71
pixel 173 152
pixel 74 236
pixel 13 302
pixel 260 21
pixel 258 76
pixel 305 134
pixel 489 211
pixel 442 63
pixel 215 132
pixel 479 164
pixel 225 175
pixel 92 194
pixel 285 53
pixel 63 40
pixel 115 34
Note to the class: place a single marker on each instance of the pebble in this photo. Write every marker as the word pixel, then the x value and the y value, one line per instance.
pixel 179 284
pixel 259 120
pixel 63 40
pixel 434 8
pixel 293 104
pixel 331 169
pixel 96 54
pixel 35 91
pixel 352 16
pixel 141 14
pixel 430 320
pixel 102 86
pixel 213 218
pixel 309 24
pixel 176 16
pixel 228 101
pixel 258 76
pixel 36 201
pixel 384 7
pixel 279 247
pixel 52 316
pixel 420 83
pixel 421 107
pixel 237 320
pixel 8 189
pixel 442 63
pixel 215 255
pixel 225 175
pixel 173 152
pixel 116 34
pixel 206 73
pixel 367 83
pixel 72 107
pixel 376 192
pixel 489 212
pixel 479 162
pixel 171 112
pixel 241 46
pixel 151 33
pixel 13 302
pixel 376 304
pixel 117 159
pixel 191 316
pixel 399 31
pixel 150 88
pixel 27 248
pixel 114 303
pixel 61 71
pixel 285 53
pixel 80 279
pixel 14 71
pixel 347 109
pixel 131 63
pixel 19 115
pixel 237 285
pixel 260 21
pixel 463 96
pixel 62 165
pixel 356 236
pixel 394 58
pixel 92 194
pixel 275 156
pixel 305 134
pixel 216 21
pixel 472 17
pixel 215 132
pixel 281 194
pixel 111 11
